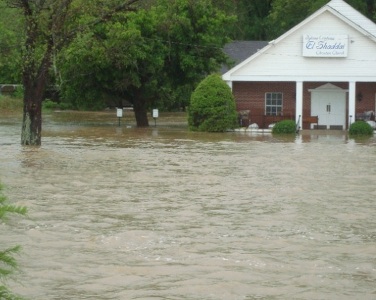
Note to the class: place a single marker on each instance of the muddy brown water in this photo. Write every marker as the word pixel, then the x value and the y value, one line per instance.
pixel 163 213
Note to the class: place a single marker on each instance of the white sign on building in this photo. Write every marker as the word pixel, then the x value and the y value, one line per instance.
pixel 325 45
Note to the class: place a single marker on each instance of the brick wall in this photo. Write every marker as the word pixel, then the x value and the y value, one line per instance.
pixel 251 96
pixel 368 92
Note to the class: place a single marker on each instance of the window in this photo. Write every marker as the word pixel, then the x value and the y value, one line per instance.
pixel 273 104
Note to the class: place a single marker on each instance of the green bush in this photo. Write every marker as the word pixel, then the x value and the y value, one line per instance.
pixel 284 127
pixel 212 106
pixel 360 128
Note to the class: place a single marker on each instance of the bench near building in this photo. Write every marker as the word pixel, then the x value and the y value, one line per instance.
pixel 321 73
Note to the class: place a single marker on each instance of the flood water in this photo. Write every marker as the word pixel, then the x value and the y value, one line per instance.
pixel 163 213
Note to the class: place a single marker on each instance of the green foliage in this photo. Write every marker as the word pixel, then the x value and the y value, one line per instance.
pixel 5 294
pixel 194 34
pixel 251 18
pixel 284 127
pixel 8 263
pixel 152 57
pixel 112 60
pixel 10 40
pixel 285 14
pixel 212 107
pixel 360 128
pixel 19 92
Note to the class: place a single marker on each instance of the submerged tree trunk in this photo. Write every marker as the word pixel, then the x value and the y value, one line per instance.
pixel 34 88
pixel 140 111
pixel 32 123
pixel 32 119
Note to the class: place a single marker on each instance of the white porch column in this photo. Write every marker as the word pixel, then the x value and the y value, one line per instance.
pixel 352 97
pixel 299 104
pixel 229 83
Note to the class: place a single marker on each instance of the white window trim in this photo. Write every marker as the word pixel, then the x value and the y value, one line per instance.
pixel 278 106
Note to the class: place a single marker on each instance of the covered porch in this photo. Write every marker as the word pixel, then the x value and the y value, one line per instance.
pixel 313 105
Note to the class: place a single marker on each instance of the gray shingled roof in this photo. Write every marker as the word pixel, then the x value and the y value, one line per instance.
pixel 239 51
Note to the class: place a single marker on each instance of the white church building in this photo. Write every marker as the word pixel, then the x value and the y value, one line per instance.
pixel 321 73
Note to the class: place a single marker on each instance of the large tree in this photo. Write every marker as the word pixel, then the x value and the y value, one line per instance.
pixel 49 26
pixel 161 52
pixel 119 59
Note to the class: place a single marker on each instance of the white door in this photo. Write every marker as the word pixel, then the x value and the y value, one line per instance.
pixel 330 107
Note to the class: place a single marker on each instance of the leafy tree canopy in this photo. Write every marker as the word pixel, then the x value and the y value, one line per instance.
pixel 157 53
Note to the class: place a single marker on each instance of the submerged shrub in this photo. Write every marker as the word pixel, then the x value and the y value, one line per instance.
pixel 212 106
pixel 284 127
pixel 360 128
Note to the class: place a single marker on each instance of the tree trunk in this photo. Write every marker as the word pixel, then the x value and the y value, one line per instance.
pixel 34 88
pixel 32 117
pixel 140 111
pixel 32 107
